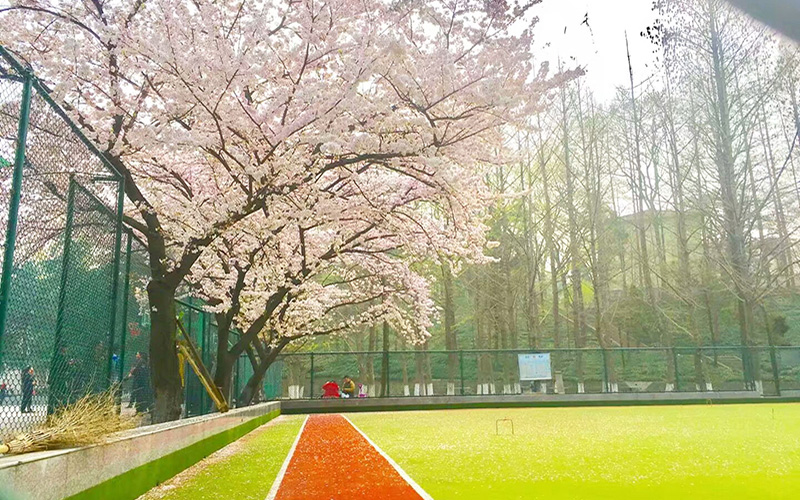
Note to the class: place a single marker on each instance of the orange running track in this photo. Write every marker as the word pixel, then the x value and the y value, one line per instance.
pixel 333 461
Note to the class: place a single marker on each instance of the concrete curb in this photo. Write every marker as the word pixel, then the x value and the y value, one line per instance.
pixel 130 463
pixel 522 401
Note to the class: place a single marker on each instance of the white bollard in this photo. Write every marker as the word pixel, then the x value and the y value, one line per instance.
pixel 559 383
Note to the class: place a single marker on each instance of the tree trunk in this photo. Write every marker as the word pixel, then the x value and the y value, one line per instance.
pixel 575 261
pixel 510 329
pixel 371 346
pixel 223 372
pixel 784 250
pixel 450 340
pixel 401 345
pixel 531 263
pixel 267 356
pixel 385 362
pixel 732 223
pixel 164 371
pixel 549 238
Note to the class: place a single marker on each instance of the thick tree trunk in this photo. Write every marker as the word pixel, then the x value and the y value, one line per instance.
pixel 163 353
pixel 267 356
pixel 253 383
pixel 223 372
pixel 733 225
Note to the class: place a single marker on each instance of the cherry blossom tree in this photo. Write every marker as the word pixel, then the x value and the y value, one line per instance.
pixel 311 126
pixel 355 251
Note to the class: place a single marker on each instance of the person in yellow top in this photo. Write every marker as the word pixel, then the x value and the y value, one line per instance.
pixel 349 388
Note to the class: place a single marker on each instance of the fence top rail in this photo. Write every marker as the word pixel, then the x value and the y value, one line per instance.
pixel 182 302
pixel 198 309
pixel 44 93
pixel 680 349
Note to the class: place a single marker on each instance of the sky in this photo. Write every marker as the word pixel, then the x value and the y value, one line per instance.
pixel 600 47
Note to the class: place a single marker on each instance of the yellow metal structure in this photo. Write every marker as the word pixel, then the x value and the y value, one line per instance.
pixel 189 351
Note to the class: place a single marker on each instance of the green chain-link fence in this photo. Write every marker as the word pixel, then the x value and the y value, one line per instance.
pixel 301 375
pixel 73 306
pixel 73 315
pixel 60 231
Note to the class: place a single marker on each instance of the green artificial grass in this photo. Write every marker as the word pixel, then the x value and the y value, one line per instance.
pixel 657 452
pixel 245 475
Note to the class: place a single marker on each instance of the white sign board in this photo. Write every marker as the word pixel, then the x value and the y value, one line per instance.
pixel 534 366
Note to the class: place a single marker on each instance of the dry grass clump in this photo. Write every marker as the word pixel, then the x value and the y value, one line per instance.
pixel 89 420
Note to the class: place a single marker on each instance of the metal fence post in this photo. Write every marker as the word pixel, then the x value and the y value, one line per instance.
pixel 461 368
pixel 115 278
pixel 235 392
pixel 202 337
pixel 675 365
pixel 606 387
pixel 62 295
pixel 126 293
pixel 13 209
pixel 311 389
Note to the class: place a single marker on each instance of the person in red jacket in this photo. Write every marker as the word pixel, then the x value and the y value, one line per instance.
pixel 330 389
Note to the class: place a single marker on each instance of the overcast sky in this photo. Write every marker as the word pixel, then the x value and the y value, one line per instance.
pixel 600 47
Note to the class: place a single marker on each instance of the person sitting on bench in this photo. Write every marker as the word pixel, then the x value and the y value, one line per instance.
pixel 330 389
pixel 349 388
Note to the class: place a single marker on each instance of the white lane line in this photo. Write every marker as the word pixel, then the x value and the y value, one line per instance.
pixel 394 464
pixel 278 480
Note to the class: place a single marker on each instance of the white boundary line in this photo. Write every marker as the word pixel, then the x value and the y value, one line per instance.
pixel 394 464
pixel 278 480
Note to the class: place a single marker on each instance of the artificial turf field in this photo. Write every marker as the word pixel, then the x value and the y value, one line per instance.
pixel 653 452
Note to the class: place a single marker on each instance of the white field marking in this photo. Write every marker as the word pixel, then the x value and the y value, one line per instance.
pixel 394 464
pixel 278 480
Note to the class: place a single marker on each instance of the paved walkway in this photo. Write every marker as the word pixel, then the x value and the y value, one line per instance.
pixel 333 460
